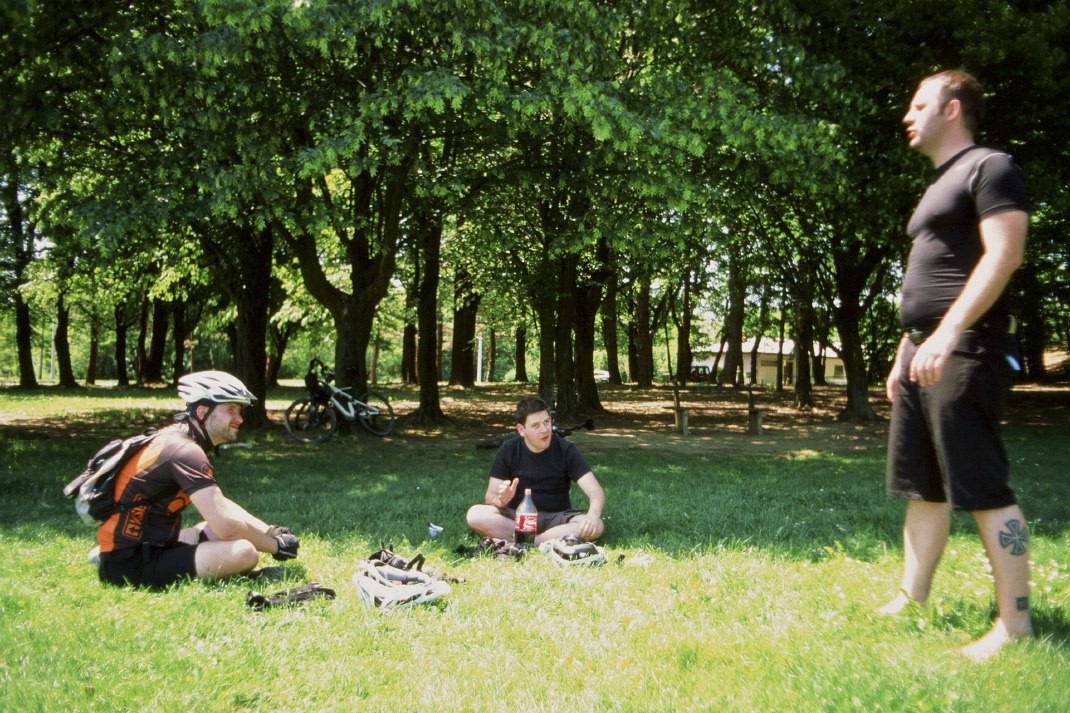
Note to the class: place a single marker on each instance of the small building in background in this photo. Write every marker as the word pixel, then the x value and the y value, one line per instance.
pixel 768 349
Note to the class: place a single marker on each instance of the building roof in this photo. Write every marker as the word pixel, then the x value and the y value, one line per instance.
pixel 766 345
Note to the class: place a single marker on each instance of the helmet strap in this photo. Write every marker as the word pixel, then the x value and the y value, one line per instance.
pixel 200 422
pixel 192 410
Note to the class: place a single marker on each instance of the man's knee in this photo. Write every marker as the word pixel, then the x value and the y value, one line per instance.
pixel 478 515
pixel 220 559
pixel 246 555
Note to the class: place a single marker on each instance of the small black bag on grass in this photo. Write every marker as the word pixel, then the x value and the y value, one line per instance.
pixel 94 488
pixel 294 595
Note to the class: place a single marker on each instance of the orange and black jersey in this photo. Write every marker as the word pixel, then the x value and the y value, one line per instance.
pixel 162 475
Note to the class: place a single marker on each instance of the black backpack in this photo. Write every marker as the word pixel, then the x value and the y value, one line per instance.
pixel 94 489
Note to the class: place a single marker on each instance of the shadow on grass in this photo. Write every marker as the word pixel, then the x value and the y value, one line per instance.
pixel 1053 625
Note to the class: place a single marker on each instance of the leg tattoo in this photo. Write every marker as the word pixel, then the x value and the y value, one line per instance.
pixel 1015 538
pixel 1023 603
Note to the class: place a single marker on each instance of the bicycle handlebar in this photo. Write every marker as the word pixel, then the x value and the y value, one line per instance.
pixel 320 371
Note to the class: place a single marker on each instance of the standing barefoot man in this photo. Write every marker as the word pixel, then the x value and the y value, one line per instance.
pixel 956 360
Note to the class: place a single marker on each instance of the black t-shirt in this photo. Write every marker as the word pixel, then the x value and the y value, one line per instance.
pixel 549 474
pixel 945 230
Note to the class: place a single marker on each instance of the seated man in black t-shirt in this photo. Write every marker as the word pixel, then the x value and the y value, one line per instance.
pixel 548 464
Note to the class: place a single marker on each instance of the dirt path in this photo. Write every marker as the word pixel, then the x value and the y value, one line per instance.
pixel 718 419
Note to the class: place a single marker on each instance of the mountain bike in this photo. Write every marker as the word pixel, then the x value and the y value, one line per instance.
pixel 314 419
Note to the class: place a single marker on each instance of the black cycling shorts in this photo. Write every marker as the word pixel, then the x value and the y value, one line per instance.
pixel 153 567
pixel 944 443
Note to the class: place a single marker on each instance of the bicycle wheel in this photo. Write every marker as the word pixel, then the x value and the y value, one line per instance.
pixel 377 415
pixel 311 421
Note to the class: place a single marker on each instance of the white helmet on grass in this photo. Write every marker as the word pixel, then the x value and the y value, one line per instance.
pixel 382 585
pixel 571 549
pixel 216 387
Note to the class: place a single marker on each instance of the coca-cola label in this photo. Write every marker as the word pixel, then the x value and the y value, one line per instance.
pixel 527 523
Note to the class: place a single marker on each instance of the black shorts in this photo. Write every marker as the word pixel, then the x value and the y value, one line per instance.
pixel 944 444
pixel 547 520
pixel 153 567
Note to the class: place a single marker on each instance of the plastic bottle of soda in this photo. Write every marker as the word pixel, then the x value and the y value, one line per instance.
pixel 526 523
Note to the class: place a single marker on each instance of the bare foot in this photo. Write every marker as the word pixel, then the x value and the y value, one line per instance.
pixel 900 602
pixel 991 643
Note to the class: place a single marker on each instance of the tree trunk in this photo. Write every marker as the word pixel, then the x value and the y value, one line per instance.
pixel 1032 334
pixel 492 355
pixel 94 353
pixel 371 241
pixel 463 366
pixel 609 325
pixel 179 334
pixel 250 290
pixel 374 369
pixel 280 339
pixel 858 408
pixel 564 356
pixel 854 271
pixel 428 354
pixel 644 347
pixel 804 339
pixel 61 339
pixel 22 240
pixel 440 345
pixel 818 362
pixel 408 355
pixel 780 352
pixel 737 296
pixel 153 369
pixel 122 329
pixel 717 370
pixel 586 318
pixel 763 316
pixel 683 334
pixel 521 373
pixel 408 335
pixel 141 356
pixel 545 311
pixel 24 339
pixel 633 349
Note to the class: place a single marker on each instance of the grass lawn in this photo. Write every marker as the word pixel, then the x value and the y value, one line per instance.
pixel 744 571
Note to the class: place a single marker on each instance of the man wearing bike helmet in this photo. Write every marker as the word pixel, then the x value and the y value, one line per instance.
pixel 144 544
pixel 548 464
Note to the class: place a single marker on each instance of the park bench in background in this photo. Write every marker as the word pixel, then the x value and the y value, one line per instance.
pixel 682 414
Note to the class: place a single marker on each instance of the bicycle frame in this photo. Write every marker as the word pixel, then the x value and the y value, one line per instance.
pixel 315 418
pixel 346 404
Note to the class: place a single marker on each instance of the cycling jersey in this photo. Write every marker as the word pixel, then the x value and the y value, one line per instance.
pixel 162 475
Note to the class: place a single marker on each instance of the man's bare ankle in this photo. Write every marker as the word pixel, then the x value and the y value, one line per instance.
pixel 902 600
pixel 994 641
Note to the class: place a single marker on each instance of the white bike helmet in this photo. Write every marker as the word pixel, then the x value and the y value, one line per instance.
pixel 573 550
pixel 216 387
pixel 385 586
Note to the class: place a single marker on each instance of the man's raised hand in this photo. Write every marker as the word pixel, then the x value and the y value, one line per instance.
pixel 506 491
